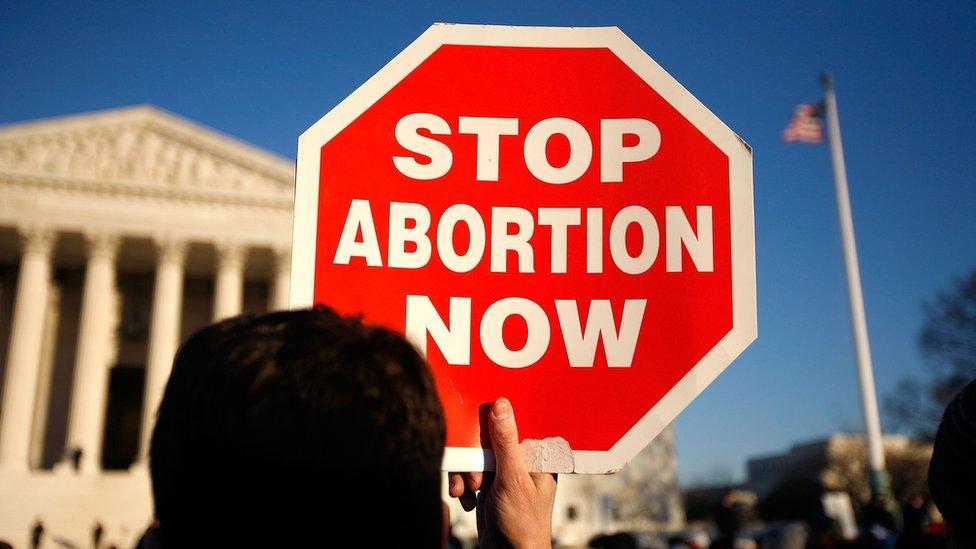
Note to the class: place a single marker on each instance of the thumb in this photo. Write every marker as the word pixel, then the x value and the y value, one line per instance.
pixel 505 441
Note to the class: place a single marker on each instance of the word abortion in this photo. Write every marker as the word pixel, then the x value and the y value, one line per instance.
pixel 410 245
pixel 416 236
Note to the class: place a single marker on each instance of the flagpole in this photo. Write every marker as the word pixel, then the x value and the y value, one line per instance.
pixel 869 401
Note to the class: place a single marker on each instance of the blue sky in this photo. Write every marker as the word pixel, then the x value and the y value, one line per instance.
pixel 906 85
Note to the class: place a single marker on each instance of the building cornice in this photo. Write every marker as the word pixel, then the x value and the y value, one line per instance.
pixel 174 126
pixel 140 190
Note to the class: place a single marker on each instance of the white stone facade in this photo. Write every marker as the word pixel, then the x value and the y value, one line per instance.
pixel 121 233
pixel 643 497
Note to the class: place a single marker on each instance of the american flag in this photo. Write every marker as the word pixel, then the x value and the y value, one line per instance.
pixel 805 125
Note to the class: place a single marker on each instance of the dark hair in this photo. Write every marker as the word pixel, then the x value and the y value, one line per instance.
pixel 951 480
pixel 300 427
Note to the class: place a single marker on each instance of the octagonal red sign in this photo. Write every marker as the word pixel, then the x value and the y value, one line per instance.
pixel 548 216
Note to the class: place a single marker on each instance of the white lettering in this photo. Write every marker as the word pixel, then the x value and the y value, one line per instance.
pixel 400 234
pixel 454 342
pixel 581 344
pixel 594 240
pixel 618 240
pixel 580 150
pixel 459 213
pixel 502 242
pixel 409 138
pixel 493 341
pixel 360 217
pixel 559 219
pixel 613 153
pixel 488 131
pixel 679 232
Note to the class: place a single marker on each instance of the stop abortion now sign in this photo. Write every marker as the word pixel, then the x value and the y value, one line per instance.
pixel 548 216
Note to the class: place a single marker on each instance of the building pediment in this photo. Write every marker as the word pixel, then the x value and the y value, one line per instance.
pixel 142 148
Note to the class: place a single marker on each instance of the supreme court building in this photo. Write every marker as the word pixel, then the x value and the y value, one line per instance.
pixel 121 233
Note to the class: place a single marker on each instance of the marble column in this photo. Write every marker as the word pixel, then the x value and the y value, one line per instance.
pixel 164 333
pixel 42 400
pixel 280 280
pixel 24 354
pixel 90 388
pixel 229 282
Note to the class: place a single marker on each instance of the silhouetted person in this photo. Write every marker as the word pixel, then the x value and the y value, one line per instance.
pixel 729 518
pixel 305 428
pixel 824 532
pixel 37 533
pixel 620 540
pixel 97 532
pixel 914 517
pixel 74 456
pixel 878 528
pixel 952 471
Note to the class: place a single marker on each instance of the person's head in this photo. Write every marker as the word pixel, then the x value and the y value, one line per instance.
pixel 951 480
pixel 304 426
pixel 728 498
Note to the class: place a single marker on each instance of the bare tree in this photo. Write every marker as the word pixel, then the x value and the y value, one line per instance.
pixel 948 341
pixel 847 468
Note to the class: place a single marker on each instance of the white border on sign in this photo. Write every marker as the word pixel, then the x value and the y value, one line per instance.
pixel 744 320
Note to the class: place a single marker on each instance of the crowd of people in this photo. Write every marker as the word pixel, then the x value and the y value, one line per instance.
pixel 308 428
pixel 732 525
pixel 881 526
pixel 946 519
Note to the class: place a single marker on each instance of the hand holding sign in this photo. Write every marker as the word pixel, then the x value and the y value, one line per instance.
pixel 514 506
pixel 548 216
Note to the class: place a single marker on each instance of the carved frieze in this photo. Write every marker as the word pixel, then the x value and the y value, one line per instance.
pixel 140 151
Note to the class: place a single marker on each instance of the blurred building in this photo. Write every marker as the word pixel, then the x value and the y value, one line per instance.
pixel 121 233
pixel 700 501
pixel 838 464
pixel 644 496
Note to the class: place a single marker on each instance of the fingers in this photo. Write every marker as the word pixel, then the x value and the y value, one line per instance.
pixel 505 442
pixel 455 485
pixel 476 484
pixel 468 500
pixel 508 460
pixel 465 486
pixel 458 483
pixel 474 480
pixel 545 483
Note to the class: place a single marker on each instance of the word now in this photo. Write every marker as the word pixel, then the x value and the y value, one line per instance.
pixel 410 223
pixel 454 337
pixel 489 130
